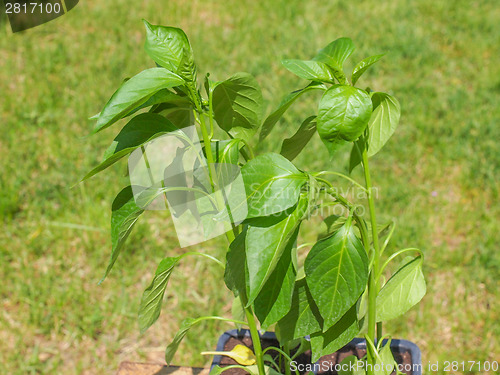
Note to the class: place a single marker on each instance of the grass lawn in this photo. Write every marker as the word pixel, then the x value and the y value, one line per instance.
pixel 438 175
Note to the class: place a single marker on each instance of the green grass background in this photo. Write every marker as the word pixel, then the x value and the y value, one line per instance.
pixel 438 175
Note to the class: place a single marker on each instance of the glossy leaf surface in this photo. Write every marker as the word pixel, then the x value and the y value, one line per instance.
pixel 336 273
pixel 135 92
pixel 152 298
pixel 274 300
pixel 362 66
pixel 383 121
pixel 310 70
pixel 265 242
pixel 272 184
pixel 237 105
pixel 334 55
pixel 403 290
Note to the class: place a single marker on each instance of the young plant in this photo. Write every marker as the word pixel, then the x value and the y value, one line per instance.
pixel 339 291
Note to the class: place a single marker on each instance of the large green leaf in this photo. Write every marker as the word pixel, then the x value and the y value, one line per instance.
pixel 383 121
pixel 310 70
pixel 335 337
pixel 275 298
pixel 403 290
pixel 291 147
pixel 135 92
pixel 344 112
pixel 235 274
pixel 265 242
pixel 152 298
pixel 123 218
pixel 272 184
pixel 303 318
pixel 138 131
pixel 274 117
pixel 169 47
pixel 336 273
pixel 237 105
pixel 180 114
pixel 334 55
pixel 362 66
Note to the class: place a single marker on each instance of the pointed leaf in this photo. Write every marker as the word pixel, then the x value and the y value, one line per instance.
pixel 242 354
pixel 334 55
pixel 310 70
pixel 385 360
pixel 135 92
pixel 179 336
pixel 336 273
pixel 274 117
pixel 351 365
pixel 138 131
pixel 237 105
pixel 123 218
pixel 383 121
pixel 275 298
pixel 403 290
pixel 152 298
pixel 272 184
pixel 291 147
pixel 337 336
pixel 265 242
pixel 304 318
pixel 362 66
pixel 169 47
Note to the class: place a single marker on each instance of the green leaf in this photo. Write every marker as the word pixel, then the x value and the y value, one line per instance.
pixel 135 92
pixel 181 115
pixel 362 66
pixel 383 121
pixel 336 273
pixel 138 131
pixel 343 115
pixel 237 312
pixel 356 153
pixel 274 117
pixel 237 105
pixel 303 318
pixel 275 298
pixel 291 147
pixel 334 55
pixel 351 365
pixel 123 218
pixel 403 290
pixel 152 298
pixel 169 47
pixel 265 242
pixel 236 274
pixel 310 70
pixel 272 184
pixel 335 337
pixel 179 336
pixel 385 360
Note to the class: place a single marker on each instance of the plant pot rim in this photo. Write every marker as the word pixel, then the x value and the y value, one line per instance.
pixel 399 344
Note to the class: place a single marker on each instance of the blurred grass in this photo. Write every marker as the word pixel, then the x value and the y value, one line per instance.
pixel 437 175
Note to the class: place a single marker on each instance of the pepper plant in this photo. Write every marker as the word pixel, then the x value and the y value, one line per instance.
pixel 339 291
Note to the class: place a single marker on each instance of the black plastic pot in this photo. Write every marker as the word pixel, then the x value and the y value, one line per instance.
pixel 357 344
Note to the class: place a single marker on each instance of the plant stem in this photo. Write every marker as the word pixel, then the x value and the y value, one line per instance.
pixel 254 333
pixel 372 282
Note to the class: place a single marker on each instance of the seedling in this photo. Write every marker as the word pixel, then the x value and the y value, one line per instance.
pixel 339 291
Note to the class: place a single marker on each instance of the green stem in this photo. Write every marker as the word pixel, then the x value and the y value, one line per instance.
pixel 372 282
pixel 254 333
